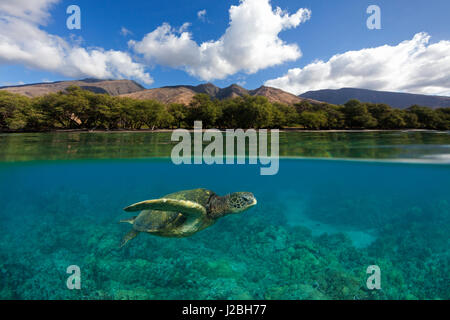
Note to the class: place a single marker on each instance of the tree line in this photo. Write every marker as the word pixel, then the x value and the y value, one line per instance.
pixel 80 109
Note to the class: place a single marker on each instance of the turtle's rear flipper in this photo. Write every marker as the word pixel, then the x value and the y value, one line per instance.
pixel 188 208
pixel 129 236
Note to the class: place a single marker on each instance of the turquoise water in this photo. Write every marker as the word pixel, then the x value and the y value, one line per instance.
pixel 317 227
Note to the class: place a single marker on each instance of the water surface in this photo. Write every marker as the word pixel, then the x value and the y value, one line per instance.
pixel 401 145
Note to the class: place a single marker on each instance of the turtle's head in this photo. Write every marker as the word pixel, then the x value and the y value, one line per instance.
pixel 241 201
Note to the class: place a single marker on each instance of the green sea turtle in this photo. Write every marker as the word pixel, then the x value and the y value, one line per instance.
pixel 181 214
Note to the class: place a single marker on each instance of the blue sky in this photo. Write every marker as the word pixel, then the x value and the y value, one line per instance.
pixel 335 27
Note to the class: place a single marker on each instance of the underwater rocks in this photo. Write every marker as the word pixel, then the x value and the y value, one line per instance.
pixel 295 292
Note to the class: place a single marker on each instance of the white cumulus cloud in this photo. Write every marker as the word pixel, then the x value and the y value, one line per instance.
pixel 33 11
pixel 250 43
pixel 415 66
pixel 23 41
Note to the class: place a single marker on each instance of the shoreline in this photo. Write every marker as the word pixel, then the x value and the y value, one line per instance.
pixel 223 130
pixel 393 161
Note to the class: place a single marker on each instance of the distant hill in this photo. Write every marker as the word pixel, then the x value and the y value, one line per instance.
pixel 111 87
pixel 173 94
pixel 394 99
pixel 165 95
pixel 184 94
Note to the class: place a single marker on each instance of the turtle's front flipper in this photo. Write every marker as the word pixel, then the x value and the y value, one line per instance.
pixel 188 208
pixel 129 236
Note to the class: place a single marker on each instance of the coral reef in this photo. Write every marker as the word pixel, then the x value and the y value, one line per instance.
pixel 244 257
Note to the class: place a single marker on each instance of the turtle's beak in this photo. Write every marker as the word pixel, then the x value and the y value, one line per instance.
pixel 253 203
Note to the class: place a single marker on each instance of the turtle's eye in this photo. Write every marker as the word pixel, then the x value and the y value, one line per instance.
pixel 248 198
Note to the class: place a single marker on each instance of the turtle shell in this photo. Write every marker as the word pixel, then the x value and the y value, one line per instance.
pixel 153 221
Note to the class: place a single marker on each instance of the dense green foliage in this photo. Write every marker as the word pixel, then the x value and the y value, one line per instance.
pixel 81 109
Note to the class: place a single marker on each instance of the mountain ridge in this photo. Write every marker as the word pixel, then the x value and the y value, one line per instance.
pixel 394 99
pixel 111 87
pixel 168 94
pixel 184 93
